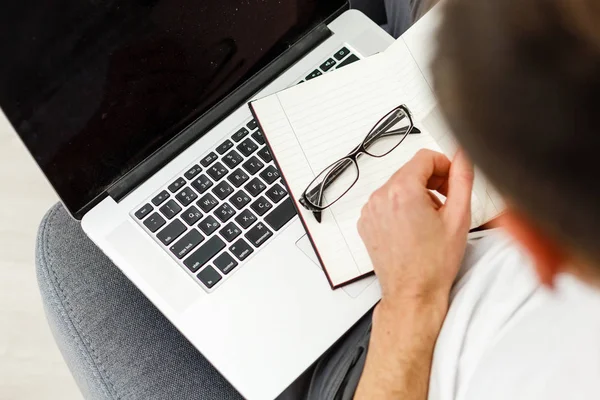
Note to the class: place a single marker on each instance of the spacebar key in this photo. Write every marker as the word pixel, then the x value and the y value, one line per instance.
pixel 204 253
pixel 281 215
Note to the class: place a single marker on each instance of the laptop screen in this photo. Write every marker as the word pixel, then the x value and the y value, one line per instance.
pixel 95 87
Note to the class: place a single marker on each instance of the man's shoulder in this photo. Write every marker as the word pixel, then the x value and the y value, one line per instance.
pixel 503 325
pixel 488 252
pixel 547 348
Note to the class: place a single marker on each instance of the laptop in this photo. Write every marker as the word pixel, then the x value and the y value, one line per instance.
pixel 137 114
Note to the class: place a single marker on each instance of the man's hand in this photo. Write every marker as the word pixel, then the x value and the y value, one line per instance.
pixel 416 244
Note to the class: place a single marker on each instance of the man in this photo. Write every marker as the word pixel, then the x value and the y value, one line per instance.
pixel 519 83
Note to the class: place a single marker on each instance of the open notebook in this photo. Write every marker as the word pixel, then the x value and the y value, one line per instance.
pixel 313 124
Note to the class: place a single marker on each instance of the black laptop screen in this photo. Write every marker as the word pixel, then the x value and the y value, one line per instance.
pixel 94 87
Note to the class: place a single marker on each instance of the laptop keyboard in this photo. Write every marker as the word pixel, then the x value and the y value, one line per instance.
pixel 228 204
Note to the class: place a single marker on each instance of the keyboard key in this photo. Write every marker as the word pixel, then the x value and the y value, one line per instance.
pixel 239 135
pixel 223 147
pixel 343 52
pixel 187 243
pixel 209 276
pixel 314 74
pixel 253 165
pixel 225 263
pixel 241 249
pixel 209 159
pixel 281 214
pixel 261 206
pixel 222 190
pixel 259 234
pixel 327 65
pixel 238 177
pixel 217 171
pixel 170 209
pixel 154 222
pixel 276 193
pixel 207 202
pixel 230 231
pixel 178 184
pixel 202 184
pixel 265 154
pixel 171 232
pixel 209 225
pixel 246 219
pixel 144 211
pixel 348 61
pixel 224 212
pixel 192 172
pixel 247 147
pixel 240 199
pixel 204 253
pixel 252 125
pixel 191 215
pixel 270 174
pixel 160 198
pixel 258 136
pixel 232 159
pixel 255 187
pixel 186 196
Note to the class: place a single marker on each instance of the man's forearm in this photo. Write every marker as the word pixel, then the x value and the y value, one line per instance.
pixel 400 351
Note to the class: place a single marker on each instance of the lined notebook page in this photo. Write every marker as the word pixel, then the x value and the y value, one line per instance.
pixel 313 124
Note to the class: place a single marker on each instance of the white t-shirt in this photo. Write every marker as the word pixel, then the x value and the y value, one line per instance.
pixel 507 337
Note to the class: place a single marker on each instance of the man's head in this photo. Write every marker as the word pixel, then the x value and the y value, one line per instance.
pixel 519 82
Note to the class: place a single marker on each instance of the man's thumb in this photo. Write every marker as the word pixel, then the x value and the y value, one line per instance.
pixel 460 185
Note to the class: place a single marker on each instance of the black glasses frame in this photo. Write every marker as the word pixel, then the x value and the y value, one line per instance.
pixel 384 123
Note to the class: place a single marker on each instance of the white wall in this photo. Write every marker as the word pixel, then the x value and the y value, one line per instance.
pixel 31 366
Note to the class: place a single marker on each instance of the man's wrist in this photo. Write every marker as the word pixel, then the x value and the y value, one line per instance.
pixel 403 337
pixel 399 319
pixel 427 305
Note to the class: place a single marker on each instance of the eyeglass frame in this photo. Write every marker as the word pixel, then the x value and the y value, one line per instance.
pixel 353 156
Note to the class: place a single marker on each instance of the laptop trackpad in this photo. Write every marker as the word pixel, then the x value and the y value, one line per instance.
pixel 353 289
pixel 150 265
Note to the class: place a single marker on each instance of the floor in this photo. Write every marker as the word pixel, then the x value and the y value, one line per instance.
pixel 31 366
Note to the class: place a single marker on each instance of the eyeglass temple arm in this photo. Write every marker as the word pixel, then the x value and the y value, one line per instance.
pixel 338 170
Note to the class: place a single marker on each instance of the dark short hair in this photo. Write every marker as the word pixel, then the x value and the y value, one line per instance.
pixel 519 83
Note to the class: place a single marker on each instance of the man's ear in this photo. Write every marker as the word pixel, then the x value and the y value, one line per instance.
pixel 547 254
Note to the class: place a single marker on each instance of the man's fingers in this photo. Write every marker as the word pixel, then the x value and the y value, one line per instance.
pixel 425 165
pixel 439 184
pixel 437 203
pixel 432 170
pixel 460 186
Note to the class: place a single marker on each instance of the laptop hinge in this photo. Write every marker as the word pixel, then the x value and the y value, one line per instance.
pixel 189 135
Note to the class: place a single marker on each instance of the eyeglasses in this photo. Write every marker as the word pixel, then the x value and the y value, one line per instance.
pixel 337 179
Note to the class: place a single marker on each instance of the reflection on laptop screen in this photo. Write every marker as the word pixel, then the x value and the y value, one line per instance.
pixel 94 87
